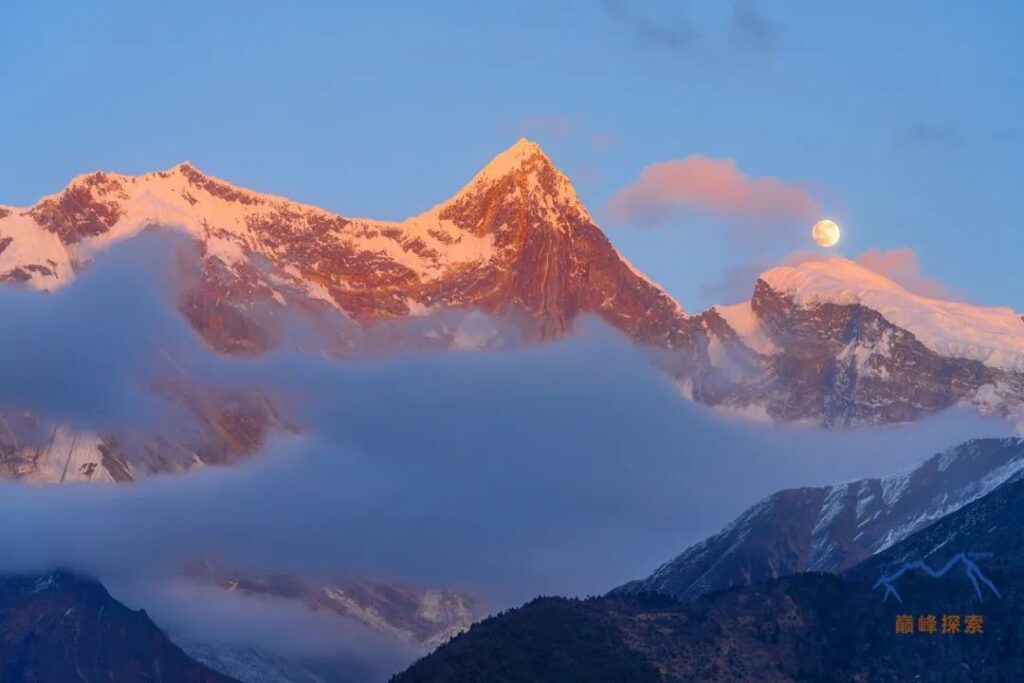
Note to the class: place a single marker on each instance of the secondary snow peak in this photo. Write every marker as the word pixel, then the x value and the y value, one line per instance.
pixel 992 335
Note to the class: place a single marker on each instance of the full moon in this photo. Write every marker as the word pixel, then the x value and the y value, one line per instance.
pixel 825 233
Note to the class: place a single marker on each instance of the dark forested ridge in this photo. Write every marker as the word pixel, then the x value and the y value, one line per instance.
pixel 64 627
pixel 805 627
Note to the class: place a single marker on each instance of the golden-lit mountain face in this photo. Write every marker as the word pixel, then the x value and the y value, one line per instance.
pixel 830 344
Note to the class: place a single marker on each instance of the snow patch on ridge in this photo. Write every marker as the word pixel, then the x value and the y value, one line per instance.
pixel 28 244
pixel 742 319
pixel 228 220
pixel 992 335
pixel 508 161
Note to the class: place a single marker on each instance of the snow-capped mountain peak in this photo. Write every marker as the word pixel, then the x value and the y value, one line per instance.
pixel 514 244
pixel 992 335
pixel 828 341
pixel 515 238
pixel 522 174
pixel 512 159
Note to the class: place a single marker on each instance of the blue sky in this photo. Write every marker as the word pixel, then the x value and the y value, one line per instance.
pixel 903 119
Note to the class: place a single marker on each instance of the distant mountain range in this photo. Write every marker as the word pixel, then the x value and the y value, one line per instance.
pixel 807 626
pixel 515 258
pixel 825 342
pixel 832 528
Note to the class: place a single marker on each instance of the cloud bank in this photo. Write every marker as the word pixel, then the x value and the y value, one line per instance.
pixel 901 265
pixel 563 468
pixel 670 26
pixel 712 186
pixel 87 353
pixel 414 466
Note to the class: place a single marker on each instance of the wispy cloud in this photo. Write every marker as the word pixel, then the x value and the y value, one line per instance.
pixel 676 33
pixel 601 142
pixel 712 186
pixel 750 28
pixel 902 266
pixel 670 26
pixel 929 134
pixel 285 635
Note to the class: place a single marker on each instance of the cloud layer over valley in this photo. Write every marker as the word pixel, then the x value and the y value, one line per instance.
pixel 568 467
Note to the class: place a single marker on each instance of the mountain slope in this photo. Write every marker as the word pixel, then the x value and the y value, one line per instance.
pixel 953 329
pixel 515 238
pixel 552 260
pixel 223 427
pixel 805 627
pixel 63 627
pixel 831 528
pixel 411 615
pixel 822 342
pixel 546 640
pixel 515 243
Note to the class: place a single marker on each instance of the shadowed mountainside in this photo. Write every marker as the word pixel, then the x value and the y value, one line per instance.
pixel 64 627
pixel 804 627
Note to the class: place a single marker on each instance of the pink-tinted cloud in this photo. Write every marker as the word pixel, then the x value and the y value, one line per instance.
pixel 901 265
pixel 712 186
pixel 602 142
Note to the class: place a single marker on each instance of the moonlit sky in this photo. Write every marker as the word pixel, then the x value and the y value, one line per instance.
pixel 904 120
